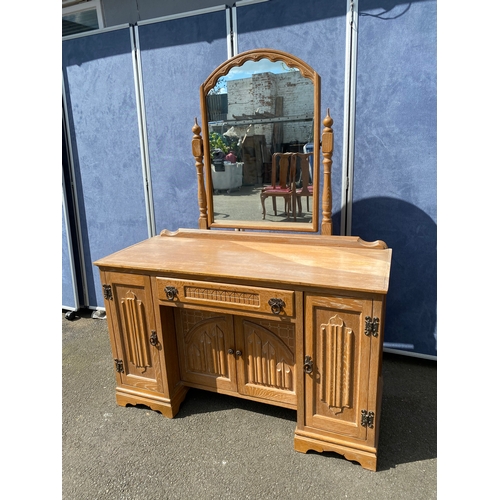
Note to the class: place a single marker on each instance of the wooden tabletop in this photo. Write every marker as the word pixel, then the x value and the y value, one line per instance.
pixel 346 263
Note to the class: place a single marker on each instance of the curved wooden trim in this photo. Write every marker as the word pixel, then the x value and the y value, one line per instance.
pixel 256 55
pixel 296 239
pixel 367 459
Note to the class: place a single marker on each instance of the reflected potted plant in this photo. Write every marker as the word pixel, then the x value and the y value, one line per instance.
pixel 219 142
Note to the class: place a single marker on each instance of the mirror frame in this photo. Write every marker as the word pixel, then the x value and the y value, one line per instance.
pixel 222 70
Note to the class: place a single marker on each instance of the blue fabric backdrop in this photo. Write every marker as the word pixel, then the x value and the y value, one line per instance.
pixel 394 191
pixel 177 56
pixel 99 81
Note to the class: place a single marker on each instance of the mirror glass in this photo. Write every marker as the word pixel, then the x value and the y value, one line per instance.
pixel 262 163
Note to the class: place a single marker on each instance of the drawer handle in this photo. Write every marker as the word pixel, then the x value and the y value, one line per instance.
pixel 171 292
pixel 277 305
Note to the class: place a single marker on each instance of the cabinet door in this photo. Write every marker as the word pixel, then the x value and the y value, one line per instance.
pixel 336 391
pixel 133 331
pixel 206 345
pixel 266 365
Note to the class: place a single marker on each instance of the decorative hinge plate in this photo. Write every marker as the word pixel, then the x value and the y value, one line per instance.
pixel 367 418
pixel 119 366
pixel 106 290
pixel 371 326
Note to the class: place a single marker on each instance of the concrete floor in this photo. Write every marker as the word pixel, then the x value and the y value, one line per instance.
pixel 220 447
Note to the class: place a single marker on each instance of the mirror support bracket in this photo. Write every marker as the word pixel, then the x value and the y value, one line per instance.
pixel 327 150
pixel 197 148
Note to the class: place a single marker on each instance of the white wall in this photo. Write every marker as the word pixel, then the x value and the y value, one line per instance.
pixel 249 95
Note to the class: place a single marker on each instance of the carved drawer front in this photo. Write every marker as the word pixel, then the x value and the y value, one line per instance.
pixel 235 297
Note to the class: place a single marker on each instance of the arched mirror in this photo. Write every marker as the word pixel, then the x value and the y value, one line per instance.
pixel 260 136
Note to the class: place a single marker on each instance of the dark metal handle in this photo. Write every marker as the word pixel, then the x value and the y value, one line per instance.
pixel 230 351
pixel 308 365
pixel 153 340
pixel 277 305
pixel 238 353
pixel 171 292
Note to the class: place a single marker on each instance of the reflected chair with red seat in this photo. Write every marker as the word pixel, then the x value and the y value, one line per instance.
pixel 306 187
pixel 281 183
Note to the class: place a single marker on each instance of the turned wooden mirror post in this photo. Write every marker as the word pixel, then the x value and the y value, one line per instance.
pixel 255 105
pixel 327 148
pixel 197 147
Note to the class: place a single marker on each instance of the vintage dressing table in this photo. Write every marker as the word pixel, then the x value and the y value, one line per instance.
pixel 291 318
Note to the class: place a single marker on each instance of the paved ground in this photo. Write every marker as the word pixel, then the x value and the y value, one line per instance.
pixel 219 447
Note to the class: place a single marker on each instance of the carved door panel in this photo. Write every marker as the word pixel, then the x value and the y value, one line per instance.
pixel 135 344
pixel 266 365
pixel 336 389
pixel 206 348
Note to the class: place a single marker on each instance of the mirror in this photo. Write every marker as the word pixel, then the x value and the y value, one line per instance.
pixel 260 131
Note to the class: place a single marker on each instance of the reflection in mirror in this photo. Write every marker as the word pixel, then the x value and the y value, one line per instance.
pixel 260 119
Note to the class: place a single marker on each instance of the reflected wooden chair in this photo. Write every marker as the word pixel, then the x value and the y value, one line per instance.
pixel 306 187
pixel 282 177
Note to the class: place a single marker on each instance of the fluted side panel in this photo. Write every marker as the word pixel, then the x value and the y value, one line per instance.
pixel 136 330
pixel 338 359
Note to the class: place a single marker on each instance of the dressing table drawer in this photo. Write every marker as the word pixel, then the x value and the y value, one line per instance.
pixel 236 297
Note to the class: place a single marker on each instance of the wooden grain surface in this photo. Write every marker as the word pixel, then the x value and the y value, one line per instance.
pixel 344 263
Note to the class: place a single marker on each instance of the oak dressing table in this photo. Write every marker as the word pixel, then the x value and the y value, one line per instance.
pixel 293 319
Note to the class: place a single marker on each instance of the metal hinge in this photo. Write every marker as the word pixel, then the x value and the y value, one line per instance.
pixel 367 418
pixel 106 290
pixel 371 326
pixel 119 366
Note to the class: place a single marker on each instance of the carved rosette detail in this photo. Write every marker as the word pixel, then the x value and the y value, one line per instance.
pixel 136 330
pixel 338 362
